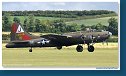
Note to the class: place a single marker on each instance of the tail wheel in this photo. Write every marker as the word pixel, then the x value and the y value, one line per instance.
pixel 59 47
pixel 30 50
pixel 79 48
pixel 90 48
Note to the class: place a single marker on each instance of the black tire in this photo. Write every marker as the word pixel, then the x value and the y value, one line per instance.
pixel 59 47
pixel 30 50
pixel 91 48
pixel 79 48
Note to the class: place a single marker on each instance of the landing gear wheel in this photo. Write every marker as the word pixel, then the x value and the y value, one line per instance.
pixel 30 50
pixel 90 48
pixel 79 48
pixel 59 47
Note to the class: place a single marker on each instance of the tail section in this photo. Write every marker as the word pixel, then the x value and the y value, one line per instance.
pixel 18 33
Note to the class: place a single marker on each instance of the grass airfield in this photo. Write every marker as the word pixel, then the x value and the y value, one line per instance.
pixel 103 56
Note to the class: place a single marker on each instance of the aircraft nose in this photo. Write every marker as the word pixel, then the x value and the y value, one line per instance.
pixel 110 34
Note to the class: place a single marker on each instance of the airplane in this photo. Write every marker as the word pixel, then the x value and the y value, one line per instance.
pixel 22 39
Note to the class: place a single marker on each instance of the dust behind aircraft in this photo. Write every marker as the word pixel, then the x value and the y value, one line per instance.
pixel 21 39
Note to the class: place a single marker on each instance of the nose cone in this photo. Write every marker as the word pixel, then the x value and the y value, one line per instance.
pixel 110 34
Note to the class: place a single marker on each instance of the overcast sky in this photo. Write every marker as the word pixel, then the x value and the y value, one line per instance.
pixel 16 6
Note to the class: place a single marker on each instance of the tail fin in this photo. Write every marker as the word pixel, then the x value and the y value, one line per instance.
pixel 18 33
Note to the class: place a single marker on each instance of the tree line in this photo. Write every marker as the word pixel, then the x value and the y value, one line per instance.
pixel 56 26
pixel 61 14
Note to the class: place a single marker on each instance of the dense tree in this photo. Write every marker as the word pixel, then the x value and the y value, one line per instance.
pixel 63 14
pixel 113 26
pixel 17 20
pixel 59 26
pixel 83 27
pixel 34 24
pixel 25 25
pixel 47 24
pixel 72 28
pixel 99 27
pixel 6 24
pixel 43 27
pixel 37 25
pixel 31 27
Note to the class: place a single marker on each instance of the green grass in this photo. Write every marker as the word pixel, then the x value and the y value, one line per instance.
pixel 90 22
pixel 87 22
pixel 22 18
pixel 103 56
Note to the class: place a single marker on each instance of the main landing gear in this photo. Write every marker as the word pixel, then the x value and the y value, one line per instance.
pixel 79 48
pixel 90 48
pixel 59 47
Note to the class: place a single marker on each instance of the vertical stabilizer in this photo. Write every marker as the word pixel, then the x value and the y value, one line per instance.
pixel 18 33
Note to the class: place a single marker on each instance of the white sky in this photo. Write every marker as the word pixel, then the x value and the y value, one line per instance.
pixel 16 6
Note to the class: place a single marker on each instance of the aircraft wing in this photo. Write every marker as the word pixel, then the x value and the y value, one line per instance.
pixel 26 41
pixel 56 37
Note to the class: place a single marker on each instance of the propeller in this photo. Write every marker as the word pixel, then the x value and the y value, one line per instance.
pixel 92 38
pixel 83 37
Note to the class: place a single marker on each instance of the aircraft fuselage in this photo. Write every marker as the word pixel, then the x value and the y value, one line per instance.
pixel 74 39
